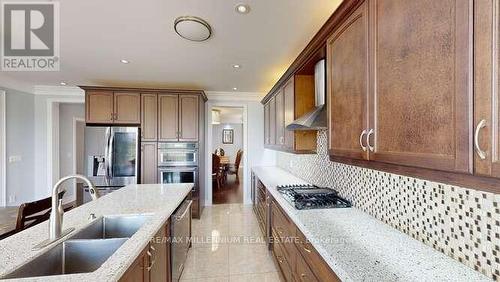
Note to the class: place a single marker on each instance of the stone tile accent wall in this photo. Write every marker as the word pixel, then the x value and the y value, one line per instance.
pixel 462 223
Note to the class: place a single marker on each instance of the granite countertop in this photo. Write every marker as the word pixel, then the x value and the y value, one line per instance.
pixel 358 247
pixel 158 200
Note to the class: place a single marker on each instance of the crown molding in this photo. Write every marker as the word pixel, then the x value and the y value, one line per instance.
pixel 11 83
pixel 234 96
pixel 58 90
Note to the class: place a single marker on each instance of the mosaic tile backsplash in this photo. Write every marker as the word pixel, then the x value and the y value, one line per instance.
pixel 462 223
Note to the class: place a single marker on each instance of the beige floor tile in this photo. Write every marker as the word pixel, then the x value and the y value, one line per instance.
pixel 261 277
pixel 207 263
pixel 250 258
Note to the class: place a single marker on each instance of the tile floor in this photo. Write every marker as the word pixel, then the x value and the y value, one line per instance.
pixel 228 246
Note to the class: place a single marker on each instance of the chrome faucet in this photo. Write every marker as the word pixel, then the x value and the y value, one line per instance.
pixel 57 211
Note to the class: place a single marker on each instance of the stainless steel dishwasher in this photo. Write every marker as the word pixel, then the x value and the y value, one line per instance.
pixel 181 238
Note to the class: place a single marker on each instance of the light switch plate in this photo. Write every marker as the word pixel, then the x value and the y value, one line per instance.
pixel 15 159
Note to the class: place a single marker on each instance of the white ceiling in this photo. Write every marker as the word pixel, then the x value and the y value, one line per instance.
pixel 96 34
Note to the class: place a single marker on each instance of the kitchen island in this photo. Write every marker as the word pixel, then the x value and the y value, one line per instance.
pixel 158 201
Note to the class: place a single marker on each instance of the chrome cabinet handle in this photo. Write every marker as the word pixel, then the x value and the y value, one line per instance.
pixel 363 133
pixel 150 266
pixel 370 133
pixel 480 153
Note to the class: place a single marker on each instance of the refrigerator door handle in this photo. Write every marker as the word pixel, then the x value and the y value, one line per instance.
pixel 106 156
pixel 111 141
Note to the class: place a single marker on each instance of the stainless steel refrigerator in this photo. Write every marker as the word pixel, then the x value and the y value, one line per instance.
pixel 111 157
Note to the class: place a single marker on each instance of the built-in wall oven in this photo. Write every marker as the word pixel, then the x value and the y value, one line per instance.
pixel 178 163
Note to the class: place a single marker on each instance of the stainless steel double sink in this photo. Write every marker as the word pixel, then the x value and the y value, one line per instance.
pixel 86 250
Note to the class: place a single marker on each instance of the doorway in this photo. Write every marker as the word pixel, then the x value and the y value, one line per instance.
pixel 227 150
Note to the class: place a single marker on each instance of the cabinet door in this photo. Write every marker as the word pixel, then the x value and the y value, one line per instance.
pixel 99 107
pixel 189 117
pixel 149 117
pixel 137 272
pixel 280 118
pixel 266 124
pixel 272 121
pixel 159 269
pixel 422 70
pixel 347 87
pixel 486 87
pixel 289 112
pixel 127 108
pixel 149 163
pixel 168 117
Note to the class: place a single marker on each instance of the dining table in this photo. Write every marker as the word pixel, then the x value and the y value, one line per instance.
pixel 8 218
pixel 224 160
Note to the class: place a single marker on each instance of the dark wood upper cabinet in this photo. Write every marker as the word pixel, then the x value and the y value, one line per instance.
pixel 347 83
pixel 272 122
pixel 421 98
pixel 108 107
pixel 168 117
pixel 266 124
pixel 280 118
pixel 188 117
pixel 99 107
pixel 486 87
pixel 127 108
pixel 149 117
pixel 289 112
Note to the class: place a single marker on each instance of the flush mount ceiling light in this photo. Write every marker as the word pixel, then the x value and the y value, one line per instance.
pixel 234 88
pixel 236 66
pixel 192 28
pixel 242 8
pixel 63 83
pixel 123 61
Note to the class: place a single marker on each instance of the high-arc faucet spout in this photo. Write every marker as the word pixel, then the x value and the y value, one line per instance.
pixel 57 212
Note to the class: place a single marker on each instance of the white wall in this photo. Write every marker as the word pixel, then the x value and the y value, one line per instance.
pixel 230 150
pixel 44 123
pixel 67 114
pixel 3 195
pixel 255 154
pixel 20 141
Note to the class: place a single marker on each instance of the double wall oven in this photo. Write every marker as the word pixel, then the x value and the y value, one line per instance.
pixel 178 163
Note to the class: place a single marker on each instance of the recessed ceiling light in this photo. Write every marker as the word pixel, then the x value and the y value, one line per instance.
pixel 234 88
pixel 63 83
pixel 236 66
pixel 123 61
pixel 242 8
pixel 192 28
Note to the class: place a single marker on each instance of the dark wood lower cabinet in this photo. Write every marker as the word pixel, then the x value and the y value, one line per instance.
pixel 153 264
pixel 293 254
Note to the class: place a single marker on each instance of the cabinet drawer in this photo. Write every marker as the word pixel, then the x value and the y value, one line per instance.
pixel 302 272
pixel 317 265
pixel 285 233
pixel 281 260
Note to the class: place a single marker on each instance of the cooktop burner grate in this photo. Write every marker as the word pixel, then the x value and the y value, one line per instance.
pixel 305 196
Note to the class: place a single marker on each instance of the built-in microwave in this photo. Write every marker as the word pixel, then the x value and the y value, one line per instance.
pixel 177 154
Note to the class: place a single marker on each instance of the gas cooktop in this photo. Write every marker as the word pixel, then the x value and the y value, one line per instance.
pixel 305 196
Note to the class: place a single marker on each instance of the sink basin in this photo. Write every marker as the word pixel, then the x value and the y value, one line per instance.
pixel 120 226
pixel 71 256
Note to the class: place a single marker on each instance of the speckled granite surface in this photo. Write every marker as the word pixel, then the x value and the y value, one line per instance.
pixel 159 200
pixel 359 247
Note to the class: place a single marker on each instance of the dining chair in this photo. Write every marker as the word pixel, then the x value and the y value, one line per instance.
pixel 216 171
pixel 236 167
pixel 32 213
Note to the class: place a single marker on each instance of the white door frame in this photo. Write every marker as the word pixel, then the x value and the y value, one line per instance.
pixel 53 136
pixel 3 150
pixel 246 167
pixel 75 163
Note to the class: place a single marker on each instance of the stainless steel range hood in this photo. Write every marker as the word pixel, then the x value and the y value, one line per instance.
pixel 315 119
